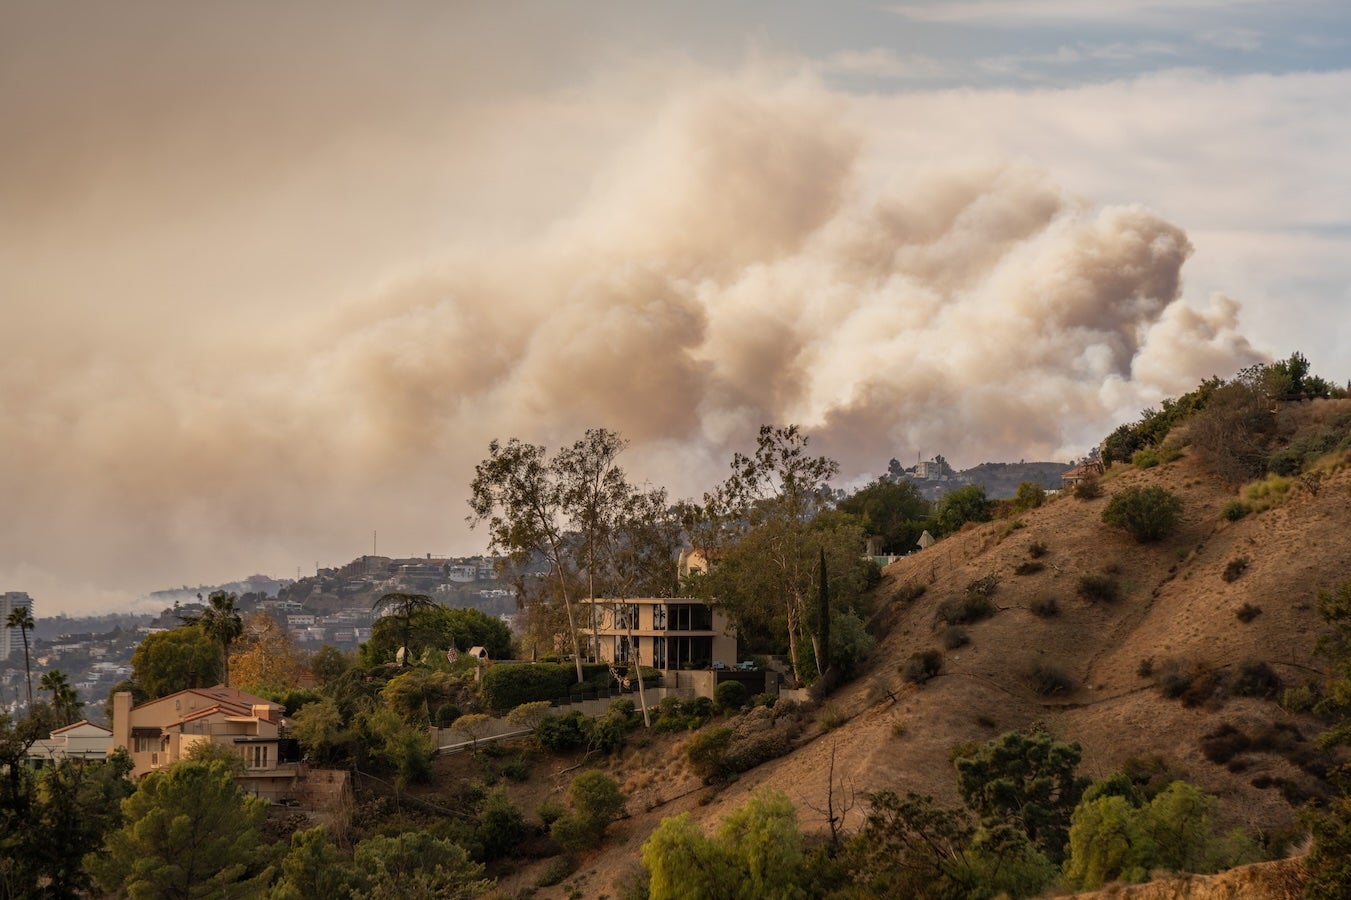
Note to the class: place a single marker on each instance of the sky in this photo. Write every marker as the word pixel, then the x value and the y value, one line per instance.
pixel 272 276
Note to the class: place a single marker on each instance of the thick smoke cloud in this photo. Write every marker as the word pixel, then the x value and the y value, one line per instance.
pixel 734 265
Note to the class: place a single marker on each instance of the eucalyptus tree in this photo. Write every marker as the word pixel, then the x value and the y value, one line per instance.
pixel 21 617
pixel 771 497
pixel 221 622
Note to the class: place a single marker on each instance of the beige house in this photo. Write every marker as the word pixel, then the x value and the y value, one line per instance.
pixel 160 732
pixel 663 633
pixel 81 740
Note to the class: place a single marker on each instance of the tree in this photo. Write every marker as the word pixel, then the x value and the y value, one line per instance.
pixel 415 864
pixel 965 504
pixel 1146 513
pixel 757 853
pixel 319 728
pixel 434 629
pixel 772 495
pixel 1030 496
pixel 893 510
pixel 1027 781
pixel 174 660
pixel 1329 860
pixel 189 832
pixel 221 622
pixel 404 608
pixel 313 867
pixel 65 702
pixel 21 617
pixel 596 802
pixel 267 660
pixel 328 663
pixel 516 491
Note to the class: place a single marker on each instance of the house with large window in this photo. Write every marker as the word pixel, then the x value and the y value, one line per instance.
pixel 660 632
pixel 160 732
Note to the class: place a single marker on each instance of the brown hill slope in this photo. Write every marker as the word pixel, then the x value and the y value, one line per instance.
pixel 1175 607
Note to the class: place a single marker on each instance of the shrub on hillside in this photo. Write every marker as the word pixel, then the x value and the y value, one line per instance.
pixel 1089 488
pixel 1037 549
pixel 1044 607
pixel 1235 569
pixel 507 687
pixel 966 609
pixel 563 733
pixel 731 695
pixel 1028 567
pixel 1049 680
pixel 1146 513
pixel 1234 510
pixel 1255 678
pixel 1099 589
pixel 955 636
pixel 920 667
pixel 1030 495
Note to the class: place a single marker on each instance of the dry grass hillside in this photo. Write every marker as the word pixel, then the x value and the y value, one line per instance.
pixel 1176 609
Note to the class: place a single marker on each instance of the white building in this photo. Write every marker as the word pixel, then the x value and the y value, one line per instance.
pixel 10 638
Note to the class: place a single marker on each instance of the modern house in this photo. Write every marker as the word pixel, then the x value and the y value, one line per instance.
pixel 161 732
pixel 661 632
pixel 80 740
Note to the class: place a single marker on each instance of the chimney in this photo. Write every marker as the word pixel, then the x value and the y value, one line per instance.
pixel 122 720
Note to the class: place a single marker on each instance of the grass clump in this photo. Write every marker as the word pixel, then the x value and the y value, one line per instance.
pixel 1268 493
pixel 1028 567
pixel 1099 589
pixel 1088 489
pixel 955 636
pixel 1037 549
pixel 1235 510
pixel 1247 612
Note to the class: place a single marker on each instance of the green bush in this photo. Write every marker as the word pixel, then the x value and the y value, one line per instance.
pixel 1146 513
pixel 731 695
pixel 1030 496
pixel 1146 458
pixel 1037 549
pixel 707 751
pixel 966 609
pixel 596 802
pixel 955 636
pixel 1099 589
pixel 507 687
pixel 1235 510
pixel 1089 488
pixel 563 733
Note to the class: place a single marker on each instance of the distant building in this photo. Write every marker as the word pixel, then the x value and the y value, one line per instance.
pixel 10 638
pixel 1091 469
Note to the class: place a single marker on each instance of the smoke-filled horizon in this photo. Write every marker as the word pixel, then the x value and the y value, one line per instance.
pixel 264 389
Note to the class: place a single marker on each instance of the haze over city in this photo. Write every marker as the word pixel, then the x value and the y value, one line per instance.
pixel 273 276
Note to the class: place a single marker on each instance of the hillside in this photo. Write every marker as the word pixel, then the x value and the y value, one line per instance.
pixel 1175 605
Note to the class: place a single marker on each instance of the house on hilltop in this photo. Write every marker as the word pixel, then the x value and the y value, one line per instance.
pixel 1091 469
pixel 161 732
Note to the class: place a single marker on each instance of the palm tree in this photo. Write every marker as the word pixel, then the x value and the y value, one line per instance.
pixel 22 618
pixel 405 607
pixel 221 622
pixel 64 699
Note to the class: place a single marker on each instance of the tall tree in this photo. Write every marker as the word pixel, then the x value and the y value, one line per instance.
pixel 773 493
pixel 593 491
pixel 221 622
pixel 267 660
pixel 22 619
pixel 65 703
pixel 517 493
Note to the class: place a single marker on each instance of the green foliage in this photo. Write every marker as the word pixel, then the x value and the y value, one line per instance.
pixel 955 636
pixel 757 853
pixel 319 728
pixel 408 751
pixel 850 643
pixel 506 687
pixel 313 867
pixel 220 621
pixel 500 826
pixel 1030 496
pixel 328 663
pixel 1089 488
pixel 1115 836
pixel 965 504
pixel 189 832
pixel 596 802
pixel 563 733
pixel 891 510
pixel 1235 510
pixel 731 695
pixel 1329 860
pixel 413 694
pixel 1146 513
pixel 1099 588
pixel 529 715
pixel 1154 424
pixel 169 661
pixel 415 864
pixel 707 752
pixel 419 623
pixel 1026 781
